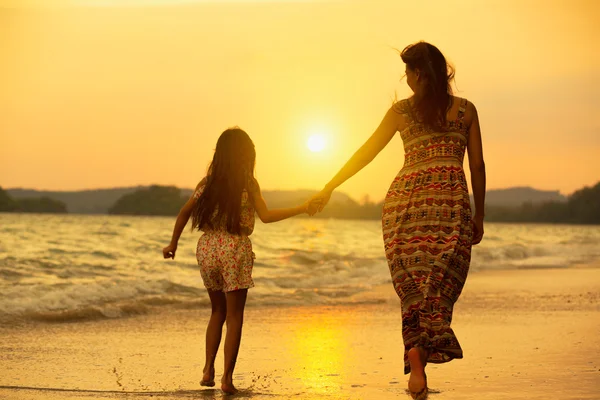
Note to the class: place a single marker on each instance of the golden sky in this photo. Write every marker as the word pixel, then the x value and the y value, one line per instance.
pixel 108 93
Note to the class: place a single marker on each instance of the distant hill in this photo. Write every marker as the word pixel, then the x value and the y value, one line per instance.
pixel 42 204
pixel 155 200
pixel 522 204
pixel 515 197
pixel 582 207
pixel 98 201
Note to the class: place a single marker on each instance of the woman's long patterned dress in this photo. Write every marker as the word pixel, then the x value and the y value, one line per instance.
pixel 427 233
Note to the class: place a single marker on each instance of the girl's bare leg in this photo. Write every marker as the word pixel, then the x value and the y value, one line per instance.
pixel 213 335
pixel 236 302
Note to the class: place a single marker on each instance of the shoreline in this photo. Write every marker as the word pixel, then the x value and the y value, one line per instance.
pixel 378 295
pixel 526 334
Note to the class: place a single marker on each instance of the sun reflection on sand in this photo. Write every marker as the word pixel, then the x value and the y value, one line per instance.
pixel 319 347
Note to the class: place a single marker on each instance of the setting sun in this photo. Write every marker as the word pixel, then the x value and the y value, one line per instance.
pixel 316 143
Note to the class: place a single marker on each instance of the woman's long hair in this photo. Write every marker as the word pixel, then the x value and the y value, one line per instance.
pixel 432 104
pixel 230 172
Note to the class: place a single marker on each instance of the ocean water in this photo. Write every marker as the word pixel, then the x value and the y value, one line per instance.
pixel 85 267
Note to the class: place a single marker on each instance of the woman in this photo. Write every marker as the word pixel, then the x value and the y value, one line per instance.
pixel 428 227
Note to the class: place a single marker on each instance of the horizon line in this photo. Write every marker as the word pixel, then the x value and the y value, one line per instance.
pixel 264 190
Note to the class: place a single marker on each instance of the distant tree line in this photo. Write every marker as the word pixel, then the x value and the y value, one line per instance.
pixel 30 204
pixel 582 207
pixel 155 200
pixel 168 200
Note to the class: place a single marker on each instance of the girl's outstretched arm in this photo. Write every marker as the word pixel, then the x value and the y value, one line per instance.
pixel 391 123
pixel 182 220
pixel 267 216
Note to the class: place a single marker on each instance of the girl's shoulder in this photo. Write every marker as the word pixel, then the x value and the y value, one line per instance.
pixel 200 188
pixel 252 186
pixel 202 183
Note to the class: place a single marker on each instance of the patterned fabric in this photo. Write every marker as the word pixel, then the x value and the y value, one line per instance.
pixel 226 260
pixel 427 233
pixel 246 214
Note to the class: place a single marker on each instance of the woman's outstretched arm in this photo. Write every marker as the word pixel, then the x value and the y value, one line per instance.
pixel 391 123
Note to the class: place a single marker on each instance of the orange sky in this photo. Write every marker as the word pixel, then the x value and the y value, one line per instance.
pixel 95 95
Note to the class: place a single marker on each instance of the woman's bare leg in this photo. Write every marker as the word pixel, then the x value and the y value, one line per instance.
pixel 417 357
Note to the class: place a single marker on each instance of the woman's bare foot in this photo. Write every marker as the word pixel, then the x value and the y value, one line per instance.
pixel 417 383
pixel 228 388
pixel 208 379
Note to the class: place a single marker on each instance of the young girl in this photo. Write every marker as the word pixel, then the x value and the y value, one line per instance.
pixel 223 207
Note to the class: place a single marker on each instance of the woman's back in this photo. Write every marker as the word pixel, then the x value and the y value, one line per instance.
pixel 426 148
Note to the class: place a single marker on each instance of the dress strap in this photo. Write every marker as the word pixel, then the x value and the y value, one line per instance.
pixel 462 108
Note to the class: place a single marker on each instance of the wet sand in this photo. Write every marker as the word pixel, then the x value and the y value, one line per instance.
pixel 526 334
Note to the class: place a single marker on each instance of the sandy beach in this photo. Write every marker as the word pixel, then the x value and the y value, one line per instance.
pixel 526 334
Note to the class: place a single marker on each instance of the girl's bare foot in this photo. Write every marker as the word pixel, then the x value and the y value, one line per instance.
pixel 417 383
pixel 228 388
pixel 208 379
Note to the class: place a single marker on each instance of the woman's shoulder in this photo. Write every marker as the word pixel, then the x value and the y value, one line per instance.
pixel 463 103
pixel 466 109
pixel 401 106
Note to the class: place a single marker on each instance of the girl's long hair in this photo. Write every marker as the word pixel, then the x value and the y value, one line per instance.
pixel 432 105
pixel 230 172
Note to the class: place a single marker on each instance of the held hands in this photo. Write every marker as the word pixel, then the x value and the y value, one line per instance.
pixel 318 202
pixel 311 208
pixel 322 198
pixel 169 251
